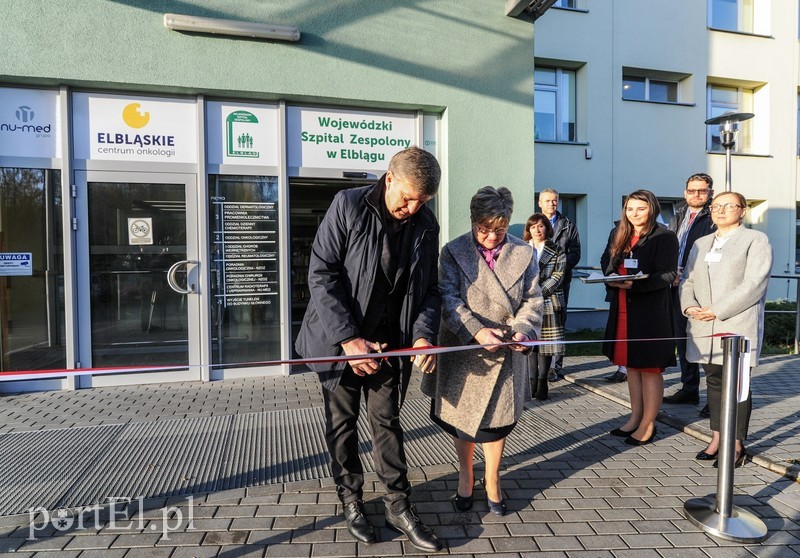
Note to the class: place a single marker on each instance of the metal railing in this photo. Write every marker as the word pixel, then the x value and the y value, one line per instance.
pixel 584 270
pixel 796 311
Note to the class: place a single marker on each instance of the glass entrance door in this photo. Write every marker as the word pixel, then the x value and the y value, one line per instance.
pixel 142 270
pixel 32 323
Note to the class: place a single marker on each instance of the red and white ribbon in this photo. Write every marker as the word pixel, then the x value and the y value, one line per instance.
pixel 16 375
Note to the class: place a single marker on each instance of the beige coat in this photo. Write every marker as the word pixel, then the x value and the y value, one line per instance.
pixel 734 288
pixel 476 389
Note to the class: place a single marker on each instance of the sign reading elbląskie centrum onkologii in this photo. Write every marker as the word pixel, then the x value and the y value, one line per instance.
pixel 128 128
pixel 346 139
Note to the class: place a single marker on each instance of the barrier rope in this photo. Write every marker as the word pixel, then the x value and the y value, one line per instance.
pixel 16 375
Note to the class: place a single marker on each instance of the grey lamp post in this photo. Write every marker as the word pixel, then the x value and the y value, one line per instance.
pixel 716 514
pixel 728 126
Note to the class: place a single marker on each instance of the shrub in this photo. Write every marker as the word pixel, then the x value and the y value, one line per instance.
pixel 779 328
pixel 585 349
pixel 778 332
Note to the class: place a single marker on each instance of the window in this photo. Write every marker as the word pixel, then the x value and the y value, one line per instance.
pixel 554 104
pixel 797 240
pixel 731 15
pixel 722 99
pixel 668 206
pixel 566 4
pixel 635 88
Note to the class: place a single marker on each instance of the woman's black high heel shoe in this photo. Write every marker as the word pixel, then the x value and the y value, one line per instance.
pixel 740 460
pixel 703 456
pixel 463 503
pixel 497 508
pixel 631 441
pixel 620 433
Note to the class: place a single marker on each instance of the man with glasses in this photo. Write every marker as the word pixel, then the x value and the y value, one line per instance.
pixel 691 221
pixel 565 234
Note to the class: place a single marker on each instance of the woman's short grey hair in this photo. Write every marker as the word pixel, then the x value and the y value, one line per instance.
pixel 491 204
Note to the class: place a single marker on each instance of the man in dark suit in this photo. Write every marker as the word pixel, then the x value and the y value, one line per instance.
pixel 565 234
pixel 691 221
pixel 373 286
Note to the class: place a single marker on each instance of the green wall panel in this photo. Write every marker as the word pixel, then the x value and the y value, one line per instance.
pixel 466 60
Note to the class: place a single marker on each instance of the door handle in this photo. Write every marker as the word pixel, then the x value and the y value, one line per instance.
pixel 172 281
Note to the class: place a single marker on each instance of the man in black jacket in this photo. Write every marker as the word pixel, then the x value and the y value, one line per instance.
pixel 565 234
pixel 373 286
pixel 690 222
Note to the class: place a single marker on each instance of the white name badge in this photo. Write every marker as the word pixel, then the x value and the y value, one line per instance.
pixel 631 263
pixel 713 257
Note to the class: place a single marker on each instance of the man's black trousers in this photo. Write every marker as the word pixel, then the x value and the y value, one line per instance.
pixel 381 392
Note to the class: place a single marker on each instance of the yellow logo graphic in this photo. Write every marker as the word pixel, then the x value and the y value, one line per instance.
pixel 134 117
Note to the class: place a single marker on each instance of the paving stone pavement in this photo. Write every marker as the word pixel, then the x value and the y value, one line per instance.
pixel 592 497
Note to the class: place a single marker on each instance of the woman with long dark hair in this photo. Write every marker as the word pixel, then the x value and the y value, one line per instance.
pixel 641 309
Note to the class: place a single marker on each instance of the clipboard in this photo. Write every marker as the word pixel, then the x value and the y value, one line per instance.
pixel 598 278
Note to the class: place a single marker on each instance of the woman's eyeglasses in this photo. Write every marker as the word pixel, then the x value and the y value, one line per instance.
pixel 497 232
pixel 724 207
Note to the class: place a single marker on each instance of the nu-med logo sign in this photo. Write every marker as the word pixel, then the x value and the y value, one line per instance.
pixel 29 123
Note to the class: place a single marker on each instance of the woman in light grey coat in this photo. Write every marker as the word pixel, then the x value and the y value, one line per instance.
pixel 723 290
pixel 490 294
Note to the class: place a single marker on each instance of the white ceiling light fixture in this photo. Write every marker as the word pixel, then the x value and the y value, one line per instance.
pixel 216 26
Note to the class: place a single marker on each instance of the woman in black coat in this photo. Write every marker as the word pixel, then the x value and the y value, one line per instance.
pixel 641 309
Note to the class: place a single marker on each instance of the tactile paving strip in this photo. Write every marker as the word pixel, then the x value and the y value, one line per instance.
pixel 87 465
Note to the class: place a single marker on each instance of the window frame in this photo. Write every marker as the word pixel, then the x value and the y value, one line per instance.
pixel 562 96
pixel 751 19
pixel 647 96
pixel 746 128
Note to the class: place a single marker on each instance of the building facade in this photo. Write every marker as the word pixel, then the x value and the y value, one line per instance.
pixel 160 188
pixel 623 89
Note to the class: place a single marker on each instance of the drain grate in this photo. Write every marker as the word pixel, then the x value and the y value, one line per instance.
pixel 87 465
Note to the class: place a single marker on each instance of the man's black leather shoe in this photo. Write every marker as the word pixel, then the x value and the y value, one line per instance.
pixel 554 375
pixel 408 523
pixel 680 397
pixel 616 377
pixel 357 523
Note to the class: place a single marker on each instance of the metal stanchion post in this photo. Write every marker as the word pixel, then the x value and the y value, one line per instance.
pixel 718 516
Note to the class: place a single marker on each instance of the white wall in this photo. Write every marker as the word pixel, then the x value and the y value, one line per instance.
pixel 657 146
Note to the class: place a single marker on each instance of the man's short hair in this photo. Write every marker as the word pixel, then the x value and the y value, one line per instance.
pixel 703 177
pixel 419 167
pixel 548 191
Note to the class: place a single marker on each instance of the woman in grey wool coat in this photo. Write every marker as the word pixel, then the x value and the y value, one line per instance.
pixel 490 294
pixel 723 291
